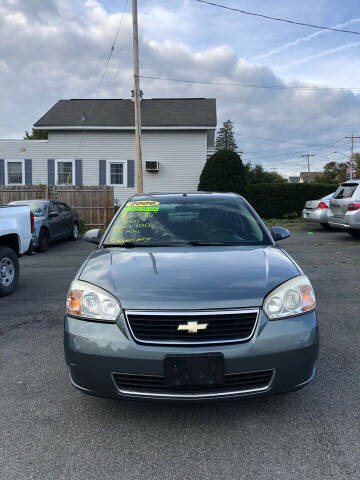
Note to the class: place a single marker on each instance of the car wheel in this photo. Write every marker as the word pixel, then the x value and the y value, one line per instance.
pixel 326 226
pixel 75 232
pixel 9 271
pixel 43 241
pixel 354 233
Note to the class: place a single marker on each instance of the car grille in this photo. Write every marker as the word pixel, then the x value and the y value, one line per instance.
pixel 227 326
pixel 234 383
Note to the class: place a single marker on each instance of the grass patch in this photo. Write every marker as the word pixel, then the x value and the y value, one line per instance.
pixel 283 222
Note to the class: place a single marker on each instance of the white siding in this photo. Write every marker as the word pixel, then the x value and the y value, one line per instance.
pixel 181 154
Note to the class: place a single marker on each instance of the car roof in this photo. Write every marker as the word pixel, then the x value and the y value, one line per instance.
pixel 350 182
pixel 27 200
pixel 185 194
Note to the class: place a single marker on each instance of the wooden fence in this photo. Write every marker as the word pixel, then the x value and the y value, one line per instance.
pixel 94 204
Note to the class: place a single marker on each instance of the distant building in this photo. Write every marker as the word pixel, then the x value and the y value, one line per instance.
pixel 92 142
pixel 306 177
pixel 294 179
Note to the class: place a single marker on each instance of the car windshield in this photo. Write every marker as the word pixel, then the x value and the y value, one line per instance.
pixel 193 219
pixel 328 197
pixel 37 207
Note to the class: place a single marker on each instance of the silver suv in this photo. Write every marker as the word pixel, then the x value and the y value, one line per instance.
pixel 344 210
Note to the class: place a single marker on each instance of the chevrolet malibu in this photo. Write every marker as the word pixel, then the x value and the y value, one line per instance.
pixel 188 297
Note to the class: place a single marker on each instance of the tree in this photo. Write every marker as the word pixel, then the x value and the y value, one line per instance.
pixel 36 135
pixel 334 172
pixel 257 174
pixel 223 172
pixel 225 137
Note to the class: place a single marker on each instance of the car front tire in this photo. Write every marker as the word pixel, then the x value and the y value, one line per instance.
pixel 354 233
pixel 75 233
pixel 9 271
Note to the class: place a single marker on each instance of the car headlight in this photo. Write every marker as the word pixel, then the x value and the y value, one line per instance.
pixel 294 297
pixel 89 302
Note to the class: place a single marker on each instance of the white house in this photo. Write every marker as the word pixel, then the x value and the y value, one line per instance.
pixel 92 142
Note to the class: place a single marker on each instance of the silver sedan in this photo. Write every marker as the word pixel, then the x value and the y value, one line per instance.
pixel 317 211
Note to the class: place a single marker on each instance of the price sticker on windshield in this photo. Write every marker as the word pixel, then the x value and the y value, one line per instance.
pixel 142 206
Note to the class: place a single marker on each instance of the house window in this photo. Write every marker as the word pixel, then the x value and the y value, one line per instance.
pixel 116 173
pixel 15 172
pixel 64 172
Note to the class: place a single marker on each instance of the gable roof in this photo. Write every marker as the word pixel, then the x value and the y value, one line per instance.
pixel 164 112
pixel 310 177
pixel 294 179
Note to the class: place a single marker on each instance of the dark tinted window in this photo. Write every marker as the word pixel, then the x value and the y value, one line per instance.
pixel 54 208
pixel 346 190
pixel 153 220
pixel 63 208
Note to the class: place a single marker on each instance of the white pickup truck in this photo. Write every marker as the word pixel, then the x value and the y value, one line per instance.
pixel 16 228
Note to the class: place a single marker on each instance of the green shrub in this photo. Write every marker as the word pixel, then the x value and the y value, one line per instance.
pixel 223 172
pixel 81 226
pixel 290 215
pixel 282 200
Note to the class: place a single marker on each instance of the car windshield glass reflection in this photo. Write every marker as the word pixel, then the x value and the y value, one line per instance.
pixel 156 220
pixel 37 208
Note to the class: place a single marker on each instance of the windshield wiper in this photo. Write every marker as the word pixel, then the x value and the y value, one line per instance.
pixel 198 243
pixel 141 245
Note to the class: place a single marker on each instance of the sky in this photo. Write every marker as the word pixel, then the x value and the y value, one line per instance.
pixel 57 49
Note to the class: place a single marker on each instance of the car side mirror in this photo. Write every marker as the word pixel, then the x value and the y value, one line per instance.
pixel 279 233
pixel 53 214
pixel 93 236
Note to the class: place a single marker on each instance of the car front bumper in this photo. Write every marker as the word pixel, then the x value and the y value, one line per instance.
pixel 94 352
pixel 318 216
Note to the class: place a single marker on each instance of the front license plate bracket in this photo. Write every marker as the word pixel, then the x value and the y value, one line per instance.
pixel 194 370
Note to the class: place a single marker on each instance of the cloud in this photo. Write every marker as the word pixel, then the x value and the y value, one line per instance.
pixel 58 49
pixel 299 40
pixel 323 53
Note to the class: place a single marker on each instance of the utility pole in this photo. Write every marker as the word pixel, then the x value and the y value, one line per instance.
pixel 139 178
pixel 308 155
pixel 352 139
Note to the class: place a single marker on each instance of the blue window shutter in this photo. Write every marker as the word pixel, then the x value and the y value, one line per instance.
pixel 78 172
pixel 28 171
pixel 131 173
pixel 102 172
pixel 2 171
pixel 51 171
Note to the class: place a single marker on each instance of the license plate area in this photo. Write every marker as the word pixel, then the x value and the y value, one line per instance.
pixel 194 370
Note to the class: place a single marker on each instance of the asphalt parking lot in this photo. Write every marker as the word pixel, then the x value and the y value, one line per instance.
pixel 49 430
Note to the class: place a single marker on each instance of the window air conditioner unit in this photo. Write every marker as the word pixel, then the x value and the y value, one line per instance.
pixel 152 166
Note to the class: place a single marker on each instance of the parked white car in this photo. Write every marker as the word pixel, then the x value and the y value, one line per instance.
pixel 344 212
pixel 317 211
pixel 16 227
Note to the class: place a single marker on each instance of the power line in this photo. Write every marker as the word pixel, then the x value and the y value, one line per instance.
pixel 270 87
pixel 112 47
pixel 289 143
pixel 318 149
pixel 352 140
pixel 278 19
pixel 280 151
pixel 97 91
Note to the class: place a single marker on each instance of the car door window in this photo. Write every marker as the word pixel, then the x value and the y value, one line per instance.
pixel 54 209
pixel 64 208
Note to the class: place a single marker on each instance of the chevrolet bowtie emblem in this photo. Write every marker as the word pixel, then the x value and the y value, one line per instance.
pixel 193 327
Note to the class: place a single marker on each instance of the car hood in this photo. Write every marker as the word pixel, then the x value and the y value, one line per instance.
pixel 189 277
